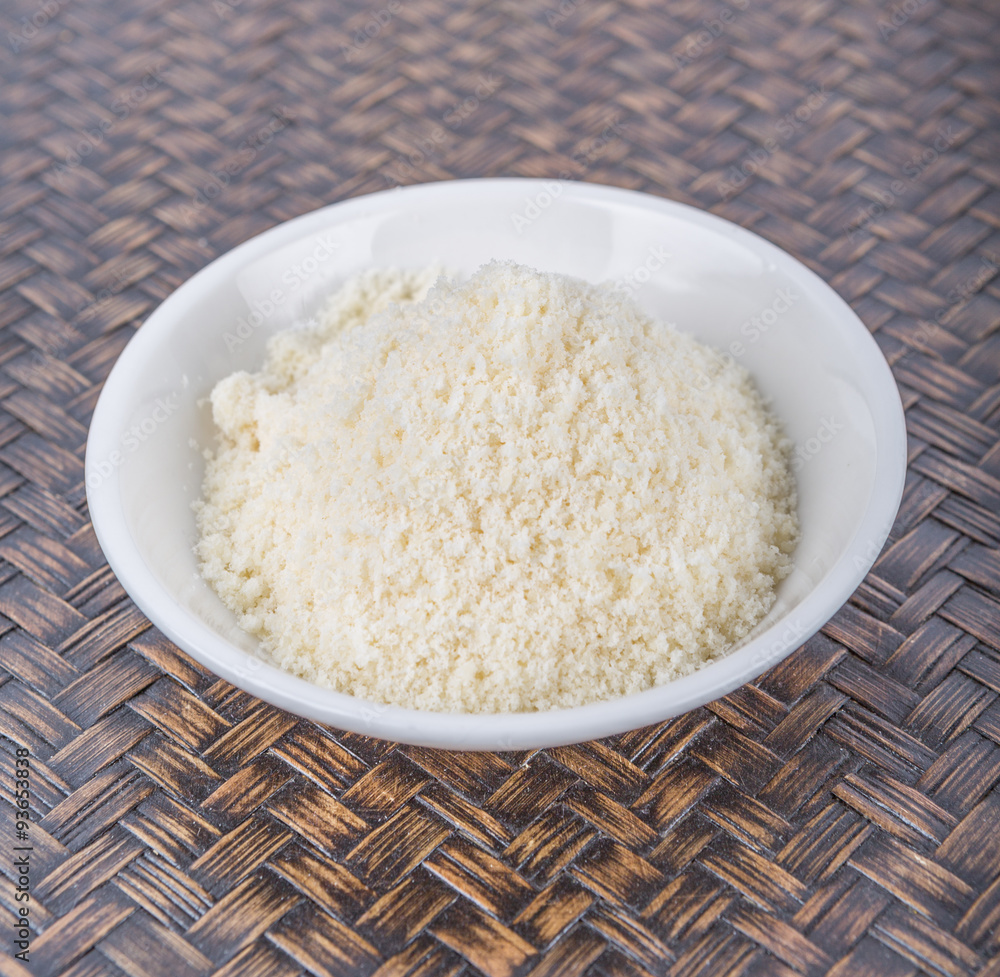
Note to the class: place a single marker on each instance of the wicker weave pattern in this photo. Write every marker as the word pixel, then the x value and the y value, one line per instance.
pixel 839 816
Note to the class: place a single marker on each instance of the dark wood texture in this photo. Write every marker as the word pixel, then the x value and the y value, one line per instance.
pixel 840 816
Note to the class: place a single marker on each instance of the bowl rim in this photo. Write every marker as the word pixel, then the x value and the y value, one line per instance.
pixel 495 731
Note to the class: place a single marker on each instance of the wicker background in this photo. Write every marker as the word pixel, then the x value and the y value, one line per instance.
pixel 840 816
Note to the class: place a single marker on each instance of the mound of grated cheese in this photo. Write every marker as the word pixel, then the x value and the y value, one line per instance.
pixel 514 493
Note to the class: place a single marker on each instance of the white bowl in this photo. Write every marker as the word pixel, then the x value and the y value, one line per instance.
pixel 809 353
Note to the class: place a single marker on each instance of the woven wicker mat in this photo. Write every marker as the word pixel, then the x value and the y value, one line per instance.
pixel 841 815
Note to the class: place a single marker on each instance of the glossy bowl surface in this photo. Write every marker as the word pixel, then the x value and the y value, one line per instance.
pixel 809 353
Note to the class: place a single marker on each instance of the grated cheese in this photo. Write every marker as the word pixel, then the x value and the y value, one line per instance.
pixel 515 493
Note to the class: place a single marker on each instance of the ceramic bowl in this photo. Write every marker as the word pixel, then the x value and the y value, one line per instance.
pixel 808 352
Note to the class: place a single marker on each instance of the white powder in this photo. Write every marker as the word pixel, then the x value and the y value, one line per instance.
pixel 517 493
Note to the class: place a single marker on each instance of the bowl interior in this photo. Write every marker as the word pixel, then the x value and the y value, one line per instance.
pixel 809 354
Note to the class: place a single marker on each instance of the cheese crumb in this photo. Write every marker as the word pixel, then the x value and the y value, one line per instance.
pixel 514 493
